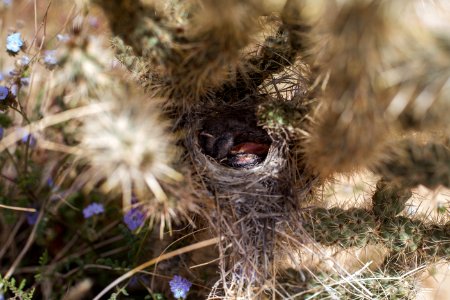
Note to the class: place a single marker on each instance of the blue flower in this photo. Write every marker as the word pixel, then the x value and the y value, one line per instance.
pixel 32 217
pixel 7 2
pixel 50 182
pixel 14 43
pixel 180 287
pixel 29 138
pixel 24 60
pixel 13 73
pixel 25 81
pixel 134 218
pixel 3 92
pixel 93 209
pixel 139 279
pixel 50 58
pixel 2 131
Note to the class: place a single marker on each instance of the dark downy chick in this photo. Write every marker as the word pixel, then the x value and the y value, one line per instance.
pixel 239 140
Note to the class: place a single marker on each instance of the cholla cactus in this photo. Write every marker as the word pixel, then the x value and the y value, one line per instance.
pixel 336 112
pixel 82 73
pixel 130 150
pixel 236 116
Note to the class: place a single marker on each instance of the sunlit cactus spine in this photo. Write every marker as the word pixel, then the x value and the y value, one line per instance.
pixel 381 225
pixel 349 130
pixel 337 227
pixel 389 199
pixel 368 284
pixel 411 163
pixel 437 241
pixel 184 46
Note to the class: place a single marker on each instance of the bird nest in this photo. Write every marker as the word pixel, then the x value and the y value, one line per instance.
pixel 254 200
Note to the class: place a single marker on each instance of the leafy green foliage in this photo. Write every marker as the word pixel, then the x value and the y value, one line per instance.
pixel 19 291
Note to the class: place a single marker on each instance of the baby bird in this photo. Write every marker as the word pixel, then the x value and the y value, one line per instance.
pixel 239 143
pixel 247 155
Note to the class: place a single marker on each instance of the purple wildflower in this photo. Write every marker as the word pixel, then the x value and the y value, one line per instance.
pixel 2 132
pixel 24 60
pixel 136 279
pixel 50 182
pixel 13 73
pixel 25 137
pixel 32 217
pixel 14 43
pixel 7 2
pixel 180 287
pixel 3 92
pixel 93 209
pixel 134 218
pixel 50 60
pixel 29 138
pixel 25 81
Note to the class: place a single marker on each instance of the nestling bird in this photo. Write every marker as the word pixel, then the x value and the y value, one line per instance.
pixel 235 140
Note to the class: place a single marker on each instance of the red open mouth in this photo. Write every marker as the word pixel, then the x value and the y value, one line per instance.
pixel 234 143
pixel 250 148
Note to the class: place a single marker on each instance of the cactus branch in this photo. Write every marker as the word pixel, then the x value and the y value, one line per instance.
pixel 410 164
